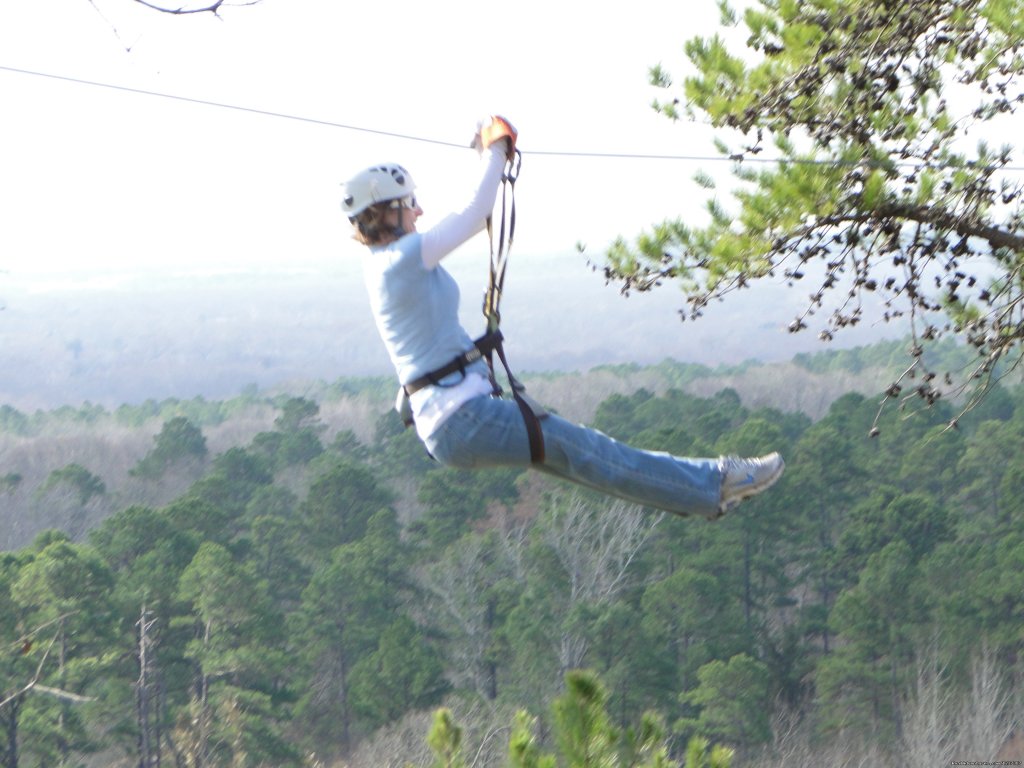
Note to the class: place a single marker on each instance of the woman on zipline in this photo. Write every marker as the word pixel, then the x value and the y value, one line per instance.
pixel 415 304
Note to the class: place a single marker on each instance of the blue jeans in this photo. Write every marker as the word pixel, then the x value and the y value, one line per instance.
pixel 489 432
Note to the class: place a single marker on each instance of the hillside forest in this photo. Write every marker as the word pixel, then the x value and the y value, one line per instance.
pixel 287 579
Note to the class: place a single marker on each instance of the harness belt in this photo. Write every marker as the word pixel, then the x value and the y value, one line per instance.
pixel 482 348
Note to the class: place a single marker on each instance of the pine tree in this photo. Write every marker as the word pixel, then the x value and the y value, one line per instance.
pixel 874 195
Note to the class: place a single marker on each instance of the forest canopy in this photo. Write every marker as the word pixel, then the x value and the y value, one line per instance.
pixel 308 592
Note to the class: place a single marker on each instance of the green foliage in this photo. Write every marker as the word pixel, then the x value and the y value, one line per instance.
pixel 282 449
pixel 672 419
pixel 860 682
pixel 235 662
pixel 147 551
pixel 916 521
pixel 274 542
pixel 178 440
pixel 198 410
pixel 12 420
pixel 400 449
pixel 61 602
pixel 524 752
pixel 886 355
pixel 297 436
pixel 80 481
pixel 340 502
pixel 347 444
pixel 455 499
pixel 445 740
pixel 297 413
pixel 351 643
pixel 688 624
pixel 236 475
pixel 868 110
pixel 733 698
pixel 201 515
pixel 10 482
pixel 987 603
pixel 292 614
pixel 701 754
pixel 614 414
pixel 403 673
pixel 583 734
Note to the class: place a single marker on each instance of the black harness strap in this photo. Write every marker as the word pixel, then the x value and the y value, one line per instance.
pixel 531 410
pixel 482 348
pixel 499 260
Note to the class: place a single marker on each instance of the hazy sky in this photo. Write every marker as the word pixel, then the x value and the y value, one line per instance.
pixel 94 179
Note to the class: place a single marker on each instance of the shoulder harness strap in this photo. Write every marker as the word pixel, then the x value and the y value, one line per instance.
pixel 531 410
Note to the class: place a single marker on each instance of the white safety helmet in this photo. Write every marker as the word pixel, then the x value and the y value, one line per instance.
pixel 377 184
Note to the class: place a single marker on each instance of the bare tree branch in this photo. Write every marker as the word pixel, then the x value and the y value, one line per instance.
pixel 596 548
pixel 35 678
pixel 23 643
pixel 180 11
pixel 67 695
pixel 28 636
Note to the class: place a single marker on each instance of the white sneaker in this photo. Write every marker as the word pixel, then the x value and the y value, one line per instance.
pixel 743 478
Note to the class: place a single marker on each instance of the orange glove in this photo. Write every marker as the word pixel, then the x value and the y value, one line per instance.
pixel 499 128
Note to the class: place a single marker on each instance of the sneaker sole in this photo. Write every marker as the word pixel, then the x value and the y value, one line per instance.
pixel 751 491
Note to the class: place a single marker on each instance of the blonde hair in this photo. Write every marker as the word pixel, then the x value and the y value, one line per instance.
pixel 371 225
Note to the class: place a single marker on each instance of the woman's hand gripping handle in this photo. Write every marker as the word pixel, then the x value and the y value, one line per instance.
pixel 495 129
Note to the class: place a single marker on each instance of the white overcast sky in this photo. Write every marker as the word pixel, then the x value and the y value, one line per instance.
pixel 96 180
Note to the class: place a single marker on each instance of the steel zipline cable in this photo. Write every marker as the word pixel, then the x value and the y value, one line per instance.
pixel 222 105
pixel 423 139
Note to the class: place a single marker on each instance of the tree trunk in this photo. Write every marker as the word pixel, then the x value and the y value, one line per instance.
pixel 346 713
pixel 10 721
pixel 490 666
pixel 202 737
pixel 894 694
pixel 748 599
pixel 62 737
pixel 825 594
pixel 147 715
pixel 825 542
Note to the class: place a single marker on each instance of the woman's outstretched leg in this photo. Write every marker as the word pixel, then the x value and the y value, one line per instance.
pixel 490 432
